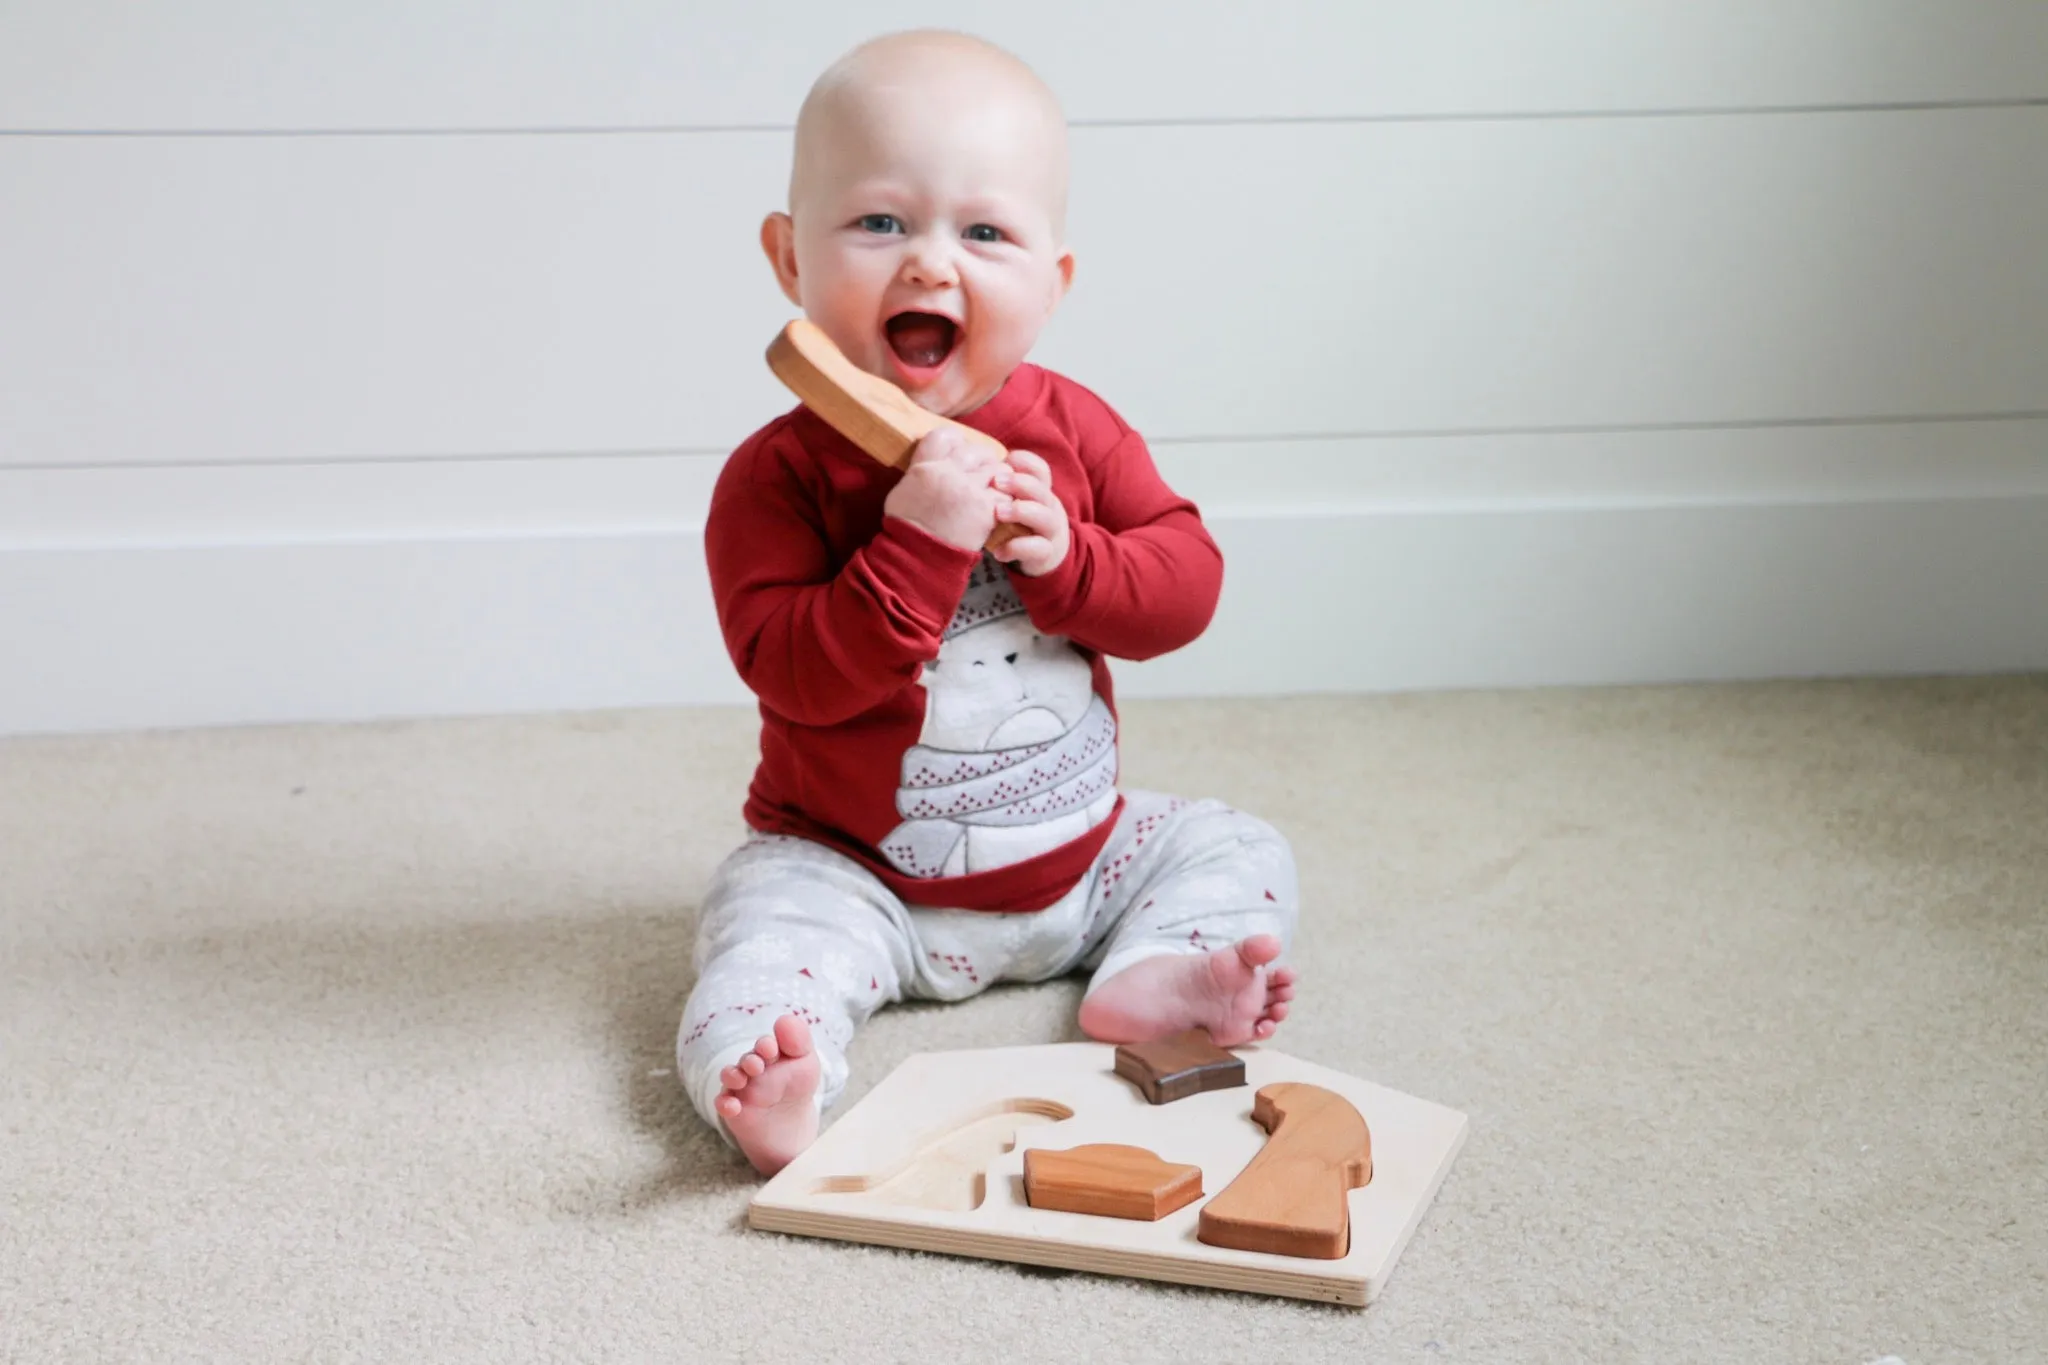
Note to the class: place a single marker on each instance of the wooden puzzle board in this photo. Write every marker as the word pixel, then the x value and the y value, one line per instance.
pixel 932 1160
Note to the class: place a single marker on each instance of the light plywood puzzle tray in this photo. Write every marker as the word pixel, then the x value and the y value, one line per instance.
pixel 932 1159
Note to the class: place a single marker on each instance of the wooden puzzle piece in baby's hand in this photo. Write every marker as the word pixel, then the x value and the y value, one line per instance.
pixel 864 408
pixel 1294 1199
pixel 1109 1179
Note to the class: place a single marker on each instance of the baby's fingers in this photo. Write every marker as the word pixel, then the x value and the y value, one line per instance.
pixel 1020 547
pixel 940 443
pixel 1032 516
pixel 1025 462
pixel 1023 486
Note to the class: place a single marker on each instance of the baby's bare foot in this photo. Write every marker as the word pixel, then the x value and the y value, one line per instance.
pixel 769 1104
pixel 1235 993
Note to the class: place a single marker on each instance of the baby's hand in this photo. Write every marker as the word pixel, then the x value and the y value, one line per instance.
pixel 946 488
pixel 1028 501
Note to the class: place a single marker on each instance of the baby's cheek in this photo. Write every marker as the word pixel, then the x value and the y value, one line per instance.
pixel 841 288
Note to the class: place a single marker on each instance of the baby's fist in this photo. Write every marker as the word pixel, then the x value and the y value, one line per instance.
pixel 1027 501
pixel 946 488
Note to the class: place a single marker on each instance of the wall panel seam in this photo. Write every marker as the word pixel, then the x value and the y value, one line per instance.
pixel 1155 442
pixel 1227 121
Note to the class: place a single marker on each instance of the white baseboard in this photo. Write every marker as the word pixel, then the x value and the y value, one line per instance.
pixel 1357 598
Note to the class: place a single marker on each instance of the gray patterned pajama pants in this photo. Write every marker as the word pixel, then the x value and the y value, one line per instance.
pixel 793 927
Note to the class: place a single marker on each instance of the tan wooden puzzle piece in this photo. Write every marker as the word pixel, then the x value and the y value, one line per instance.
pixel 1294 1197
pixel 842 1186
pixel 864 408
pixel 1109 1180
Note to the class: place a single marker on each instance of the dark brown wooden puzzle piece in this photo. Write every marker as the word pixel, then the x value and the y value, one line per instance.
pixel 1177 1067
pixel 1294 1199
pixel 1109 1179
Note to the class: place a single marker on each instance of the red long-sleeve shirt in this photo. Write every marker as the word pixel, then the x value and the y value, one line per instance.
pixel 830 611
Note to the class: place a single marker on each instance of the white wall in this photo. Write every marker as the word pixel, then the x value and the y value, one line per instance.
pixel 376 359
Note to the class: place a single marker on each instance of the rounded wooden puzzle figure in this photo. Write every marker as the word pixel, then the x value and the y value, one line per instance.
pixel 936 805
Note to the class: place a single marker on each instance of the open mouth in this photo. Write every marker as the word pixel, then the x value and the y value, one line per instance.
pixel 922 341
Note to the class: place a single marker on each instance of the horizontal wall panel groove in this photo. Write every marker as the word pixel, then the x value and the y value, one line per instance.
pixel 601 494
pixel 1165 443
pixel 141 638
pixel 173 301
pixel 672 129
pixel 304 64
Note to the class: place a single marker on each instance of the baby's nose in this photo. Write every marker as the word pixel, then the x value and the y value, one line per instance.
pixel 929 263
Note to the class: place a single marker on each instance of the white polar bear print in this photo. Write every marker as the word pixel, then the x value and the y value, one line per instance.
pixel 1017 755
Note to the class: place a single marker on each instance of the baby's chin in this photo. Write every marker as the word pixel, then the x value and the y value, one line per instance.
pixel 963 385
pixel 953 391
pixel 961 405
pixel 948 402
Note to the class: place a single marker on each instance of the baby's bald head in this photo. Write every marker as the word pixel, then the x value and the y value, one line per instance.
pixel 926 228
pixel 920 86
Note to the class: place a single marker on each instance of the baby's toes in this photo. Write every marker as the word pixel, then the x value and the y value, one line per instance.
pixel 733 1079
pixel 728 1105
pixel 751 1064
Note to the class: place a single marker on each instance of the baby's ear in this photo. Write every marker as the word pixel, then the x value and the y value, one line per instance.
pixel 1065 268
pixel 778 241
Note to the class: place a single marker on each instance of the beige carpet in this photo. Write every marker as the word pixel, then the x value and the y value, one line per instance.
pixel 353 1043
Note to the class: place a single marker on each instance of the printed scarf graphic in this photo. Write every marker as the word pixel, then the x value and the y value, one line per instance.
pixel 945 792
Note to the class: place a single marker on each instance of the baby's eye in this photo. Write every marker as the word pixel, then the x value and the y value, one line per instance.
pixel 880 222
pixel 984 232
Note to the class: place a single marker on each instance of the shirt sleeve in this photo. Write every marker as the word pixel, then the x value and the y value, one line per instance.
pixel 816 645
pixel 1143 577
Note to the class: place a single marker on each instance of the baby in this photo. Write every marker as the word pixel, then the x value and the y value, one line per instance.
pixel 936 807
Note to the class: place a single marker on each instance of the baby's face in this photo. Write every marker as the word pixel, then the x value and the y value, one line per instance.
pixel 925 234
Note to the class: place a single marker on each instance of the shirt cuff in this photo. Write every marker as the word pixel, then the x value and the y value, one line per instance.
pixel 1053 597
pixel 926 575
